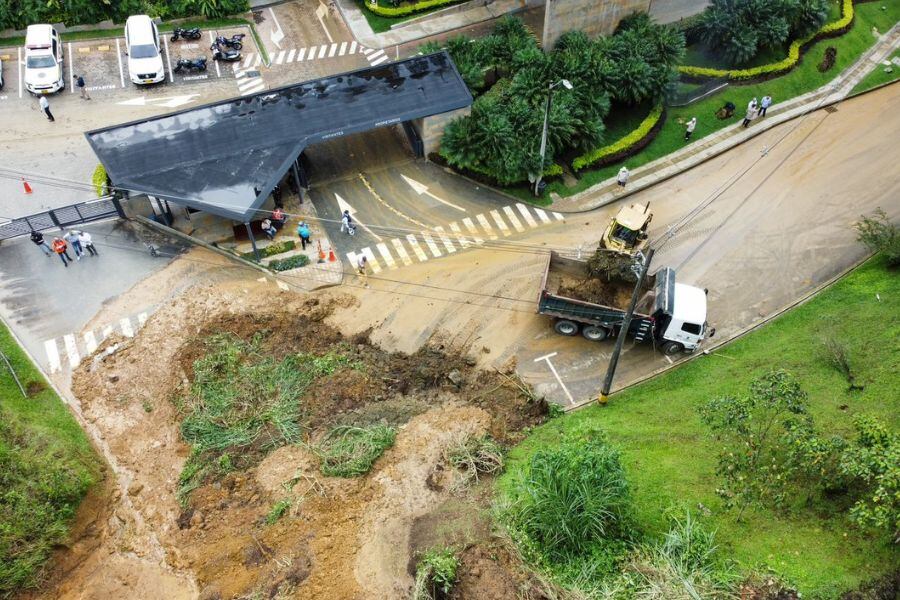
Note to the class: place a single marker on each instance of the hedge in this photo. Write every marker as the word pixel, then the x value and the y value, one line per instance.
pixel 271 249
pixel 408 9
pixel 286 264
pixel 624 146
pixel 833 29
pixel 99 180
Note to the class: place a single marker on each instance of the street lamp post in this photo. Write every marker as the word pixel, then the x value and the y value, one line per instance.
pixel 540 174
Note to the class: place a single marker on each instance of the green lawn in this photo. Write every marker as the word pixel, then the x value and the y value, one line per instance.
pixel 671 461
pixel 47 466
pixel 380 24
pixel 802 79
pixel 878 76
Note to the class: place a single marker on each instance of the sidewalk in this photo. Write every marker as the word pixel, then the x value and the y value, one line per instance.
pixel 723 140
pixel 452 18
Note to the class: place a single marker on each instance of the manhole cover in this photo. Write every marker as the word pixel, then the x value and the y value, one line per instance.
pixel 256 74
pixel 831 109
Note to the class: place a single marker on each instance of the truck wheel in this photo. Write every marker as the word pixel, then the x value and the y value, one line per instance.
pixel 565 327
pixel 595 333
pixel 672 348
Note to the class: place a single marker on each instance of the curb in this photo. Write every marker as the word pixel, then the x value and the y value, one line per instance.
pixel 739 334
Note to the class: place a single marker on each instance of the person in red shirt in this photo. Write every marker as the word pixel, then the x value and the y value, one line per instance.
pixel 278 218
pixel 60 247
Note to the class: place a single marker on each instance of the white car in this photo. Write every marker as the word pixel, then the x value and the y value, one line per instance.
pixel 145 63
pixel 43 60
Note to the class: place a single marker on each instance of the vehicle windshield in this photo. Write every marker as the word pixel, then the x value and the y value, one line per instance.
pixel 623 233
pixel 40 62
pixel 143 51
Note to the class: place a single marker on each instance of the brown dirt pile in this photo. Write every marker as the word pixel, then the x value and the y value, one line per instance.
pixel 340 538
pixel 597 291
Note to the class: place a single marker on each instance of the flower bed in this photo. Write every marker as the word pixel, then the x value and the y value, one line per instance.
pixel 763 72
pixel 286 264
pixel 406 9
pixel 625 146
pixel 271 249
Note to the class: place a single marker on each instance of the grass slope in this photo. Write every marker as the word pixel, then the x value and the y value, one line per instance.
pixel 47 466
pixel 805 78
pixel 670 460
pixel 878 76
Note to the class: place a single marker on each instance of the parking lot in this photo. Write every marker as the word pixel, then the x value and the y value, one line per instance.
pixel 104 66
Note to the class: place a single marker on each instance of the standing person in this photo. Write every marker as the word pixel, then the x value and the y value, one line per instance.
pixel 73 238
pixel 764 105
pixel 347 222
pixel 750 116
pixel 303 232
pixel 45 106
pixel 753 104
pixel 361 263
pixel 84 238
pixel 622 177
pixel 79 83
pixel 278 217
pixel 691 125
pixel 59 246
pixel 38 238
pixel 267 228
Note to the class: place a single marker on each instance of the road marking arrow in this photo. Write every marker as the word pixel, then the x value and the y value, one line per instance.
pixel 420 189
pixel 167 101
pixel 342 206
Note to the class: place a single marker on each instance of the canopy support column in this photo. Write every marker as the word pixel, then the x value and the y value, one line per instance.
pixel 297 180
pixel 252 241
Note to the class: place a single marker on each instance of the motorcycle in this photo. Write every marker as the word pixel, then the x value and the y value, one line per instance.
pixel 227 55
pixel 198 64
pixel 186 34
pixel 232 42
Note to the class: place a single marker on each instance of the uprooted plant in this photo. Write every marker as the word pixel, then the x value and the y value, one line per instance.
pixel 347 451
pixel 474 455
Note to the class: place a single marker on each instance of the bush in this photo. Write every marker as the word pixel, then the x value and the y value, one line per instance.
pixel 624 146
pixel 351 451
pixel 292 262
pixel 99 180
pixel 570 499
pixel 880 235
pixel 406 9
pixel 271 250
pixel 435 571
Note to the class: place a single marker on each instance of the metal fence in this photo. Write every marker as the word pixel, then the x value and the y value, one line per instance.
pixel 66 216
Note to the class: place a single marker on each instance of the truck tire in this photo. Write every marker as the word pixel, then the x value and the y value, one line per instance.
pixel 566 327
pixel 594 333
pixel 672 348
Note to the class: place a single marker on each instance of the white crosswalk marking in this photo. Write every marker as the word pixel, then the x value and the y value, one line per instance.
pixel 526 215
pixel 248 60
pixel 398 246
pixel 367 51
pixel 463 241
pixel 52 353
pixel 258 60
pixel 72 350
pixel 500 222
pixel 333 50
pixel 312 53
pixel 290 56
pixel 90 342
pixel 386 255
pixel 376 268
pixel 414 244
pixel 485 224
pixel 343 49
pixel 353 47
pixel 107 331
pixel 559 217
pixel 142 318
pixel 447 243
pixel 513 218
pixel 383 59
pixel 429 241
pixel 471 227
pixel 322 50
pixel 280 58
pixel 300 54
pixel 127 331
pixel 543 215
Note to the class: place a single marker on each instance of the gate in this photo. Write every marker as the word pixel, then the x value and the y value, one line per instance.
pixel 74 214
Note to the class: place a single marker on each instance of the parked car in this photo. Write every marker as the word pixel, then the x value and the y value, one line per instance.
pixel 43 60
pixel 145 64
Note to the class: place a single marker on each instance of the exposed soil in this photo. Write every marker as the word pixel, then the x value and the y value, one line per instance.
pixel 340 538
pixel 596 290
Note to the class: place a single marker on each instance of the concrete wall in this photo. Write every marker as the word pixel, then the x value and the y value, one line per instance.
pixel 431 129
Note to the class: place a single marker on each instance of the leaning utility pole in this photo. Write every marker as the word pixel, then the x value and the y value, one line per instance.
pixel 623 331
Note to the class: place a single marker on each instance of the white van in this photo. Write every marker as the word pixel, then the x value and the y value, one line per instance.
pixel 43 60
pixel 145 64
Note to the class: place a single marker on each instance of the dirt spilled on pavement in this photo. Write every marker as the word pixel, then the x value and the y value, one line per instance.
pixel 339 538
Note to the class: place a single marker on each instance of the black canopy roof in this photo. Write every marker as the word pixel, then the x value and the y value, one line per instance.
pixel 226 157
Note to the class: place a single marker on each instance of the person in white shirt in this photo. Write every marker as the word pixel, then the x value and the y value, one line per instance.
pixel 45 106
pixel 691 125
pixel 764 105
pixel 361 268
pixel 86 243
pixel 622 177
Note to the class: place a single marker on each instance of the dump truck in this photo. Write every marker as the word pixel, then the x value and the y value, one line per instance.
pixel 671 315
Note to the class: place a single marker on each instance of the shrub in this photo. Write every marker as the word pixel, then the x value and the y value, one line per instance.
pixel 569 499
pixel 271 249
pixel 622 145
pixel 292 262
pixel 99 180
pixel 880 235
pixel 435 571
pixel 351 451
pixel 406 9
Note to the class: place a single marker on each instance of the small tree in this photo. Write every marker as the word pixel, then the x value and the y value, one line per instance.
pixel 880 235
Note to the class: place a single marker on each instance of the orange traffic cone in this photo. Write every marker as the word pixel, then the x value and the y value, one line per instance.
pixel 321 252
pixel 28 189
pixel 331 256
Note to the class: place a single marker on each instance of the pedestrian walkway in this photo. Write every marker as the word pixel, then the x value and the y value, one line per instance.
pixel 458 235
pixel 723 140
pixel 69 350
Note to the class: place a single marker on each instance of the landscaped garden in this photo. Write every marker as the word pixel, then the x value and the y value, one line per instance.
pixel 382 14
pixel 772 463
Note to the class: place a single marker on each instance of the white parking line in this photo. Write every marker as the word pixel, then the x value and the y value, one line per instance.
pixel 52 355
pixel 485 224
pixel 429 241
pixel 414 244
pixel 555 374
pixel 527 215
pixel 119 56
pixel 447 243
pixel 500 222
pixel 404 256
pixel 513 218
pixel 460 238
pixel 386 254
pixel 168 57
pixel 71 70
pixel 212 39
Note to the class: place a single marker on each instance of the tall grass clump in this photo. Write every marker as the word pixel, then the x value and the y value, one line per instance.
pixel 243 403
pixel 349 451
pixel 473 456
pixel 435 574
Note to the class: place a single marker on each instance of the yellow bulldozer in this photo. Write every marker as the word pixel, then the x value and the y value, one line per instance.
pixel 618 254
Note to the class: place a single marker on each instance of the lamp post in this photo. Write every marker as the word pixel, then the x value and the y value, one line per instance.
pixel 540 175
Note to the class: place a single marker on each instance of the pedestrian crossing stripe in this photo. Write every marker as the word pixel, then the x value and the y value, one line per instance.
pixel 409 249
pixel 332 50
pixel 75 351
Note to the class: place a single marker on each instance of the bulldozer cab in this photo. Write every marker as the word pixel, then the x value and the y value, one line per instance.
pixel 627 231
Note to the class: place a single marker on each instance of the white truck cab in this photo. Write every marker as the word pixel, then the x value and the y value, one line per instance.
pixel 680 314
pixel 43 60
